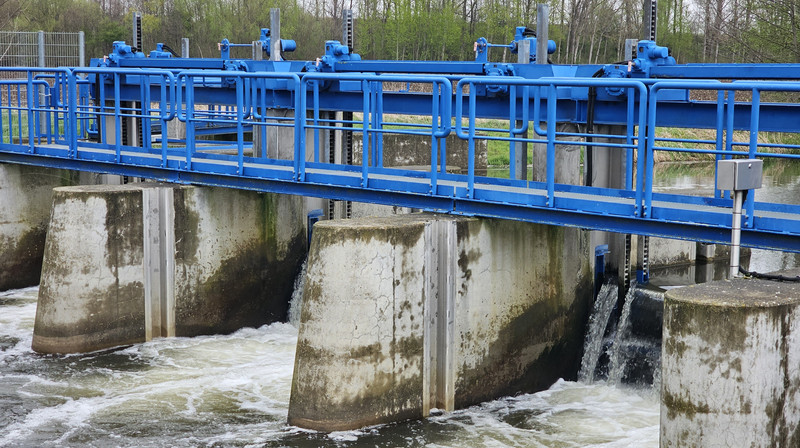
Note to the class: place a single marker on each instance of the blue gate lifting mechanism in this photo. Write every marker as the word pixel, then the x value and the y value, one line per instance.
pixel 77 118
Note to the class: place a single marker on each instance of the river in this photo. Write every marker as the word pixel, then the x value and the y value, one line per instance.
pixel 233 390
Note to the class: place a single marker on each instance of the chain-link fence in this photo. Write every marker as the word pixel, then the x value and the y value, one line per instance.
pixel 40 49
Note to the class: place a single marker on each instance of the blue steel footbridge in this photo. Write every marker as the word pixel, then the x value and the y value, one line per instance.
pixel 152 117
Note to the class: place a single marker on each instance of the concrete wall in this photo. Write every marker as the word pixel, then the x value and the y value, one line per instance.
pixel 127 263
pixel 413 312
pixel 730 357
pixel 409 150
pixel 237 254
pixel 25 198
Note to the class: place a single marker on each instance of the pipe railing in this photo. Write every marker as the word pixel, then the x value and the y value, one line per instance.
pixel 46 106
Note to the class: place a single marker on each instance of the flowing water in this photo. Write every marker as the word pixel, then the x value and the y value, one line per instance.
pixel 593 346
pixel 234 391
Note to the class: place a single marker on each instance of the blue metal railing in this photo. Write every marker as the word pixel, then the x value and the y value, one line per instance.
pixel 46 115
pixel 725 141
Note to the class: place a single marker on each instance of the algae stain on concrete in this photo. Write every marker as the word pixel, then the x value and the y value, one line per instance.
pixel 187 226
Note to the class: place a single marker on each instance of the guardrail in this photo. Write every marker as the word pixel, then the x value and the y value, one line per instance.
pixel 48 114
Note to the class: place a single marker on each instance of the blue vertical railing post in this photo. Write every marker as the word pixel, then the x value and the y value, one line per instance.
pixel 551 144
pixel 72 115
pixel 147 125
pixel 31 114
pixel 646 165
pixel 629 140
pixel 83 102
pixel 317 149
pixel 729 137
pixel 471 144
pixel 365 141
pixel 720 142
pixel 2 133
pixel 10 121
pixel 379 124
pixel 263 129
pixel 300 144
pixel 755 107
pixel 117 120
pixel 446 106
pixel 189 117
pixel 164 122
pixel 19 112
pixel 101 124
pixel 641 145
pixel 239 126
pixel 434 138
pixel 512 122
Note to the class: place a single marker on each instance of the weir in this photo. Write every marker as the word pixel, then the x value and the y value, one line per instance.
pixel 486 296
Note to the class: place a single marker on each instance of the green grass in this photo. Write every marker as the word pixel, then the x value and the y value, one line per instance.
pixel 499 155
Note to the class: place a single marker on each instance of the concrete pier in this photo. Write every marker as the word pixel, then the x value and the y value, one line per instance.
pixel 413 312
pixel 124 264
pixel 25 198
pixel 731 365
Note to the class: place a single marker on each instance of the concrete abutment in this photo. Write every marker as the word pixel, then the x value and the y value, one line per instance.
pixel 127 263
pixel 730 358
pixel 25 198
pixel 404 314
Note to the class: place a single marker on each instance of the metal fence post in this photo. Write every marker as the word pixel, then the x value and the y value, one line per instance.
pixel 41 48
pixel 275 34
pixel 542 24
pixel 184 47
pixel 81 49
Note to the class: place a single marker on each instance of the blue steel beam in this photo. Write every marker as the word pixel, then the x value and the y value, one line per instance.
pixel 677 110
pixel 450 205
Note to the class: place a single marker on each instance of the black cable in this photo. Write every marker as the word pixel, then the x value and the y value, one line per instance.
pixel 780 278
pixel 168 48
pixel 590 123
pixel 590 129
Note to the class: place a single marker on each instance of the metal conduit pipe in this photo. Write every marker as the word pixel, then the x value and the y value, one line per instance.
pixel 736 231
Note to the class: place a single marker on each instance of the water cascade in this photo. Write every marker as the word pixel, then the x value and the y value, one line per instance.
pixel 626 351
pixel 593 345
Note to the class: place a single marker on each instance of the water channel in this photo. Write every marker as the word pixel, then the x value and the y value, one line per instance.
pixel 233 390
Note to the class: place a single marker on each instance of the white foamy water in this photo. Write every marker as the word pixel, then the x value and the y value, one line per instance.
pixel 234 390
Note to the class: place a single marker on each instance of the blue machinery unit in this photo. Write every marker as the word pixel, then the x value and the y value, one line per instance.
pixel 82 118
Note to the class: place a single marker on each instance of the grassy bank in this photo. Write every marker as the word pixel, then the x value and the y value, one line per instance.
pixel 682 140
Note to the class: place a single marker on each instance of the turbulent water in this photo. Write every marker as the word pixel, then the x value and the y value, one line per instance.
pixel 234 391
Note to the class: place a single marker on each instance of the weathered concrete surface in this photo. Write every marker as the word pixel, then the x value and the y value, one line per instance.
pixel 237 254
pixel 731 365
pixel 568 157
pixel 359 354
pixel 668 252
pixel 25 198
pixel 404 314
pixel 524 291
pixel 410 150
pixel 130 262
pixel 91 294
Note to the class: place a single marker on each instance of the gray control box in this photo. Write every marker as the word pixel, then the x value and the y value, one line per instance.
pixel 740 174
